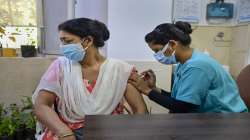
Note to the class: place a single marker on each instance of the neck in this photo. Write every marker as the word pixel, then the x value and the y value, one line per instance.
pixel 186 55
pixel 92 58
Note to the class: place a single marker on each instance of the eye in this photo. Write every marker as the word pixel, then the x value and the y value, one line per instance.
pixel 65 42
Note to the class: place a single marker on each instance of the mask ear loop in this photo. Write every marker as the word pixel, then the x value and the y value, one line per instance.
pixel 173 52
pixel 86 48
pixel 82 44
pixel 165 48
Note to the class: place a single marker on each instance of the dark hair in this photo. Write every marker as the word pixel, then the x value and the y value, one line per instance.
pixel 180 31
pixel 84 27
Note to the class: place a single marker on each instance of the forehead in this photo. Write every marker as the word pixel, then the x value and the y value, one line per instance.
pixel 64 34
pixel 152 45
pixel 155 47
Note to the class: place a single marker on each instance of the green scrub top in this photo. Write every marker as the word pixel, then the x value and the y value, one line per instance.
pixel 203 81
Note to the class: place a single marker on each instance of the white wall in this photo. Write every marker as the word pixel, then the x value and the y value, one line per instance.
pixel 240 51
pixel 94 9
pixel 129 21
pixel 55 12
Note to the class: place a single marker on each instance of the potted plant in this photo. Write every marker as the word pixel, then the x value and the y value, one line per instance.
pixel 7 129
pixel 27 103
pixel 1 111
pixel 29 50
pixel 30 125
pixel 28 118
pixel 18 122
pixel 7 126
pixel 17 117
pixel 25 122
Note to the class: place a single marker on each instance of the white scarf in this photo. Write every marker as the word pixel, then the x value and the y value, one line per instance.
pixel 75 101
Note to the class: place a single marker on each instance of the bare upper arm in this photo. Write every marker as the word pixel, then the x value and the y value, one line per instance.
pixel 135 99
pixel 45 98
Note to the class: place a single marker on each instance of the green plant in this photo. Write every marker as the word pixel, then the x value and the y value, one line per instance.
pixel 28 118
pixel 29 121
pixel 7 127
pixel 28 115
pixel 23 116
pixel 15 113
pixel 1 111
pixel 30 39
pixel 14 110
pixel 18 121
pixel 27 103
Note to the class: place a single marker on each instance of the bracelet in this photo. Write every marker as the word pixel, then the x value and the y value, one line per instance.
pixel 66 135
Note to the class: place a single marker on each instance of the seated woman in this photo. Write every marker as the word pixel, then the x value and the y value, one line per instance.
pixel 83 82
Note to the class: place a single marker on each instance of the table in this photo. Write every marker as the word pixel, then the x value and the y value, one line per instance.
pixel 168 127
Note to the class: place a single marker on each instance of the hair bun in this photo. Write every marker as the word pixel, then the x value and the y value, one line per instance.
pixel 104 30
pixel 184 26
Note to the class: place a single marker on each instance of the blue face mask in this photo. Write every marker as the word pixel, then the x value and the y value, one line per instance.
pixel 160 57
pixel 73 52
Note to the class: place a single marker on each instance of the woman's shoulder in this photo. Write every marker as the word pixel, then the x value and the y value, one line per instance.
pixel 60 60
pixel 199 60
pixel 202 63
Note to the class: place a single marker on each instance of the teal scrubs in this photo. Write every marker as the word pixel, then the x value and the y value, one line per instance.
pixel 203 81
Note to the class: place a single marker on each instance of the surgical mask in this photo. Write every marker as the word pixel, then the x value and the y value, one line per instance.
pixel 160 56
pixel 74 52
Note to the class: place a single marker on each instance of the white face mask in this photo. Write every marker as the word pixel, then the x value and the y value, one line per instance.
pixel 160 56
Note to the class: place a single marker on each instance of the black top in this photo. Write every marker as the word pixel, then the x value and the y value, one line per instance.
pixel 174 105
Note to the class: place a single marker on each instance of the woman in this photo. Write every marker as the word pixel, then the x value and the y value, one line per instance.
pixel 200 83
pixel 82 83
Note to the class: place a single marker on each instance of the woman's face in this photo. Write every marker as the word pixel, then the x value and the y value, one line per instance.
pixel 68 38
pixel 158 47
pixel 155 47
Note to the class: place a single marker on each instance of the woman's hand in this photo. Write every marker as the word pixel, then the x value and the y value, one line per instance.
pixel 65 133
pixel 144 82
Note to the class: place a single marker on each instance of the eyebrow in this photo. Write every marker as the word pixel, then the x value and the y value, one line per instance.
pixel 66 38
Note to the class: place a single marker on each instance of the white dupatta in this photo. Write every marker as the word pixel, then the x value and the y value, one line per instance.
pixel 75 101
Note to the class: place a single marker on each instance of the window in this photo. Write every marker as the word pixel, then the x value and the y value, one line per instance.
pixel 18 23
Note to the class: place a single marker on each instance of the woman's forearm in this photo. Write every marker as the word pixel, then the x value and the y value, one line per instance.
pixel 174 105
pixel 48 117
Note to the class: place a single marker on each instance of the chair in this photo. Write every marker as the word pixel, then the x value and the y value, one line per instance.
pixel 243 82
